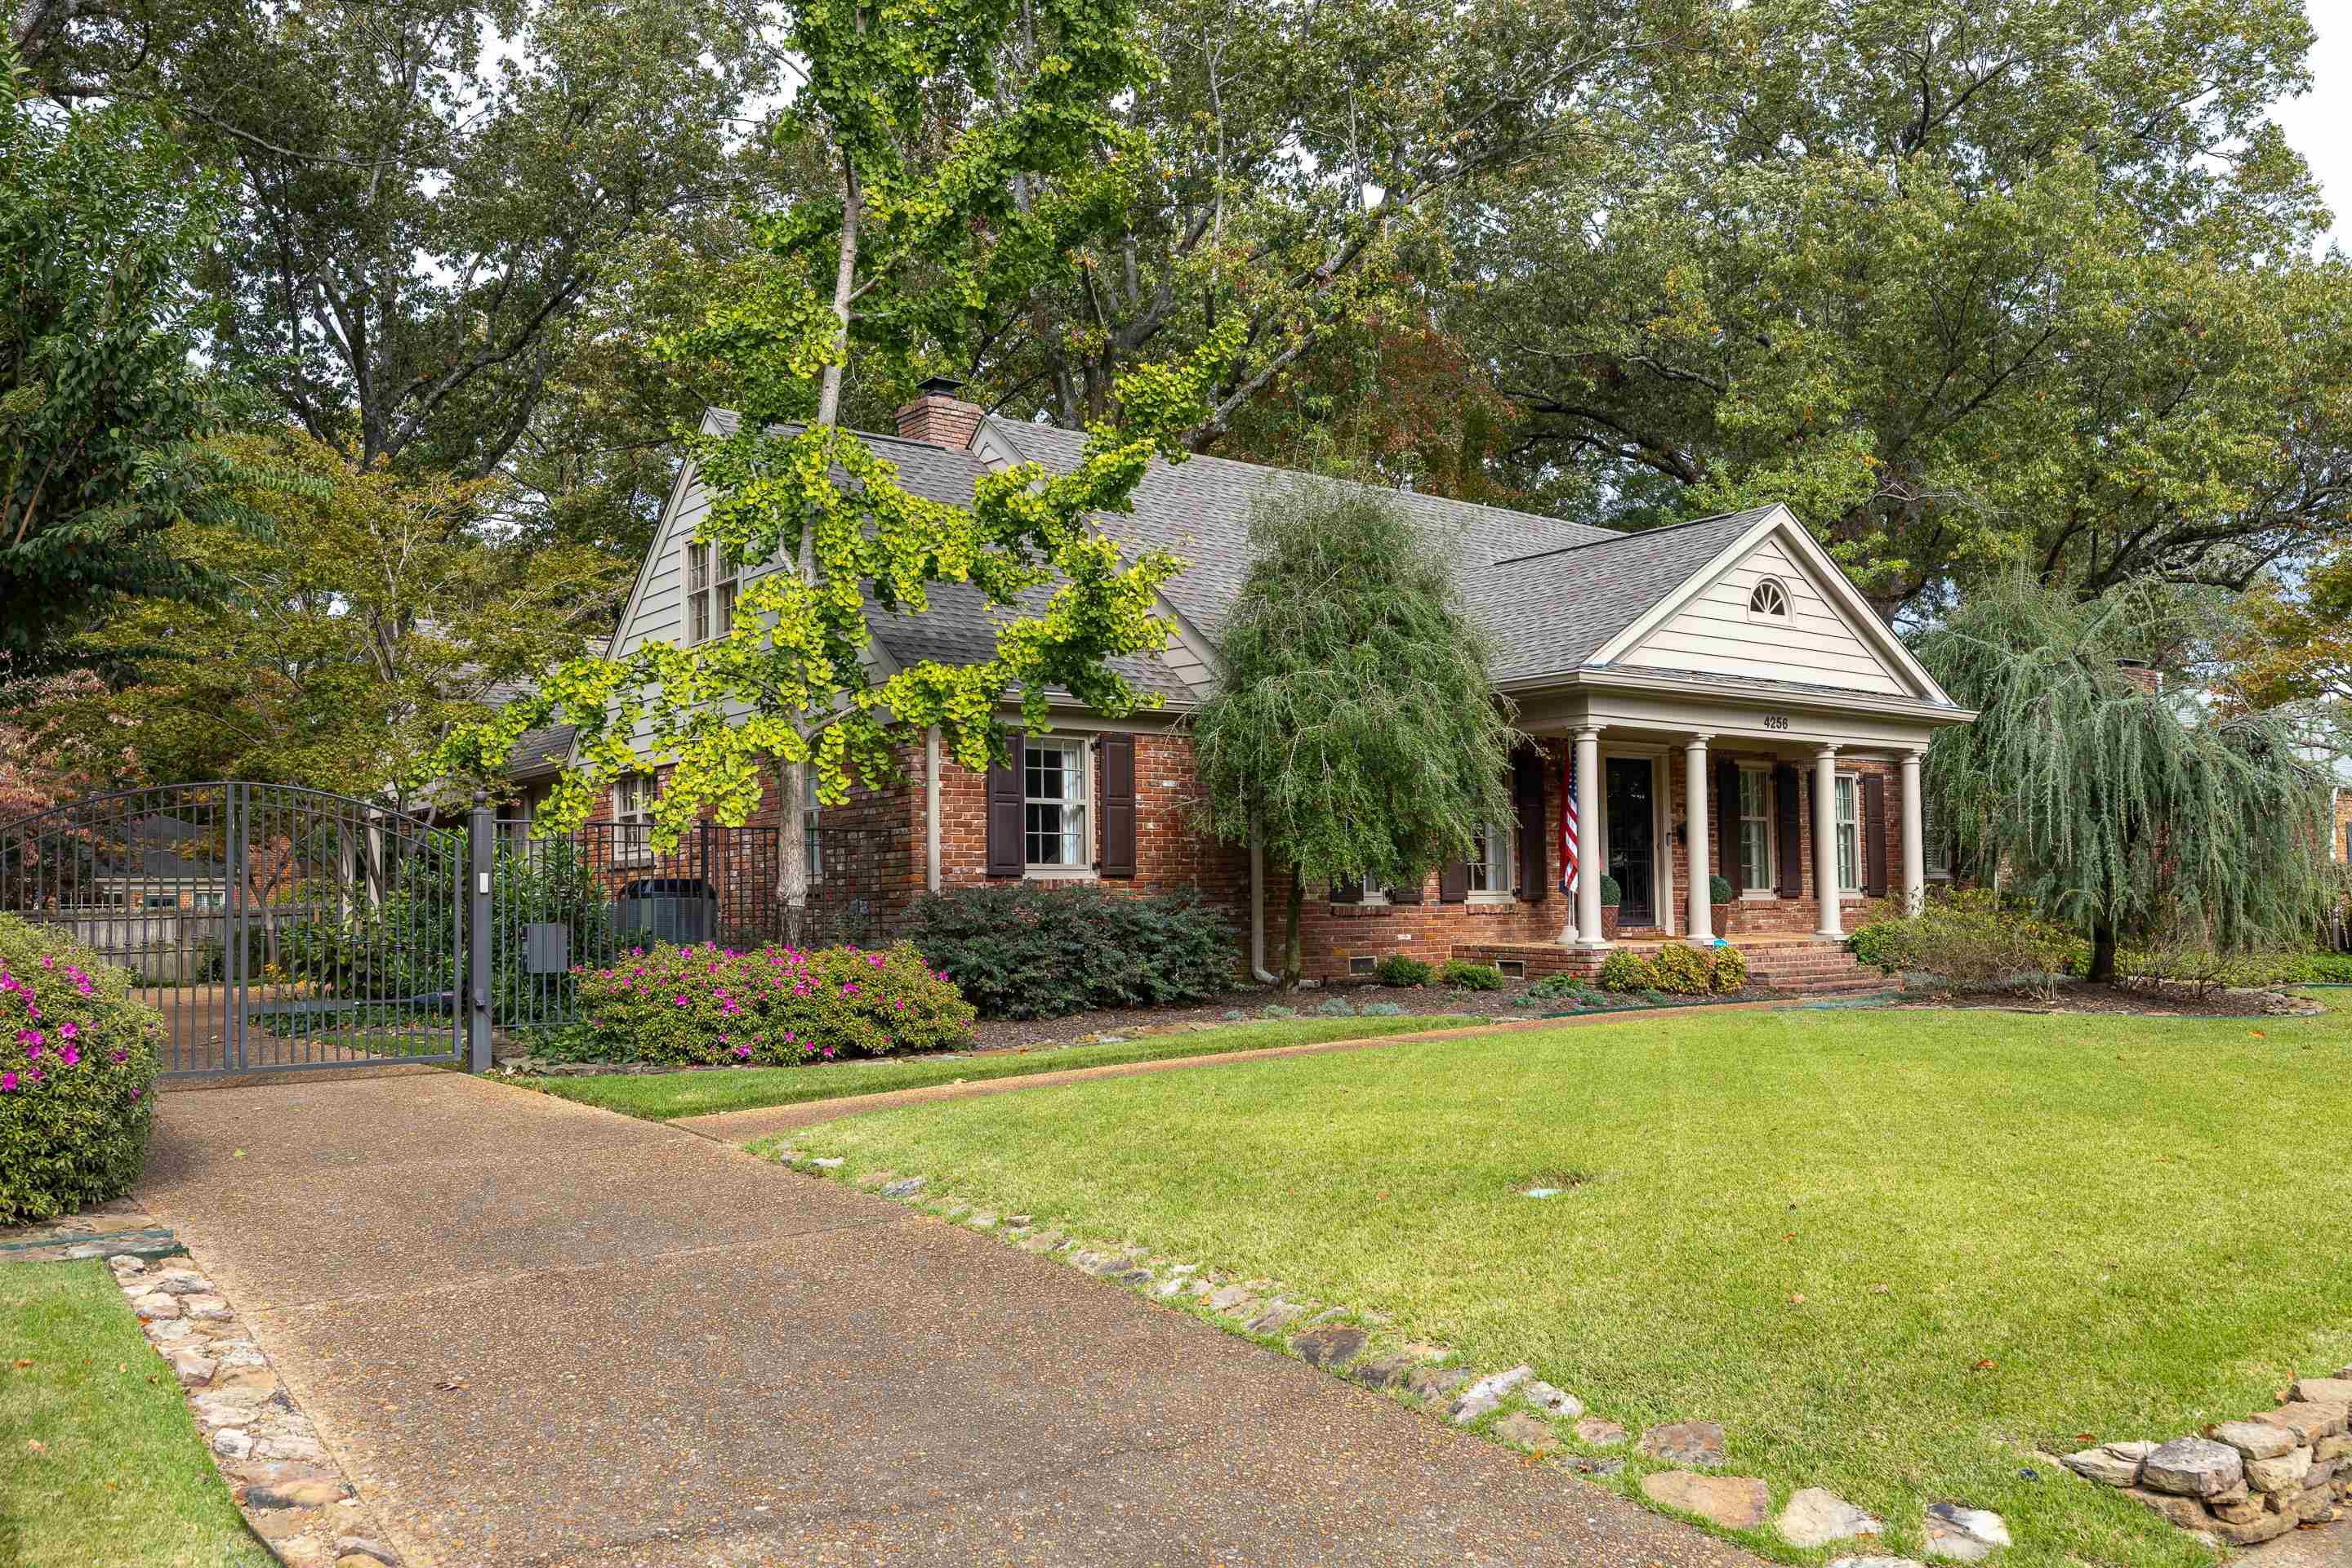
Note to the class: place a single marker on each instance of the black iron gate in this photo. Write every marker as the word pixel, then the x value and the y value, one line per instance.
pixel 274 928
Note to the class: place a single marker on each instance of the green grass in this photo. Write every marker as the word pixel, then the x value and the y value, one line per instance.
pixel 2125 1227
pixel 666 1096
pixel 100 1459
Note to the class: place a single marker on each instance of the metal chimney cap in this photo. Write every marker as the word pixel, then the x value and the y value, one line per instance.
pixel 940 386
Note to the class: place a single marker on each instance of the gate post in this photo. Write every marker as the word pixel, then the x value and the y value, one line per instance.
pixel 482 831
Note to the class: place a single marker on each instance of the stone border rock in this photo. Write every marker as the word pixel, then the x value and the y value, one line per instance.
pixel 2242 1482
pixel 1513 1406
pixel 289 1488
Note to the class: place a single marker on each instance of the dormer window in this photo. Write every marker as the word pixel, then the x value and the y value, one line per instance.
pixel 1769 602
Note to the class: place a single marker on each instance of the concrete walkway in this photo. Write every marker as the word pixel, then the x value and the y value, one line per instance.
pixel 664 1351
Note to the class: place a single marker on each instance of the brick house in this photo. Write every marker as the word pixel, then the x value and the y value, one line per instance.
pixel 1714 697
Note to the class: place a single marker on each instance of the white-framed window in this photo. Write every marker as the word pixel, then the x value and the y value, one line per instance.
pixel 1849 833
pixel 811 857
pixel 1934 844
pixel 1490 861
pixel 1054 806
pixel 710 592
pixel 163 901
pixel 1768 601
pixel 1367 892
pixel 632 810
pixel 1757 873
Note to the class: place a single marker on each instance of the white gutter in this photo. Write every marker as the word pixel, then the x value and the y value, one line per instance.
pixel 1258 971
pixel 932 808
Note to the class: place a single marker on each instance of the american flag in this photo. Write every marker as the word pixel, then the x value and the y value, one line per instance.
pixel 1567 823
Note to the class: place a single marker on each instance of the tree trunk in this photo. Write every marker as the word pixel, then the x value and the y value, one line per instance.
pixel 2103 953
pixel 1293 911
pixel 845 286
pixel 792 851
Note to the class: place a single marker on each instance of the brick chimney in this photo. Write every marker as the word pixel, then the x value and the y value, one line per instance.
pixel 2138 671
pixel 939 416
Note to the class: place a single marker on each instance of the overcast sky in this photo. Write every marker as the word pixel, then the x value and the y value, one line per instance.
pixel 2319 123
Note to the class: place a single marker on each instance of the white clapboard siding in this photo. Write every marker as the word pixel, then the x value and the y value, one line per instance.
pixel 1714 633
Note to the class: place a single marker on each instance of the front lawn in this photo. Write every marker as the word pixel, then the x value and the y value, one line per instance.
pixel 1893 1254
pixel 663 1097
pixel 100 1459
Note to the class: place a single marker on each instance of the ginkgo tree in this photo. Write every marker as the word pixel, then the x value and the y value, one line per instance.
pixel 953 187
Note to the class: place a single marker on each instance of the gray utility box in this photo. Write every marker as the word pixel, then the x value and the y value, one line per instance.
pixel 681 909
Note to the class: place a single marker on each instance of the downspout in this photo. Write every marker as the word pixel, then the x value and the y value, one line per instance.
pixel 932 808
pixel 1258 971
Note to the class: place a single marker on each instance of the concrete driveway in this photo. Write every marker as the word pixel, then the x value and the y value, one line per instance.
pixel 673 1353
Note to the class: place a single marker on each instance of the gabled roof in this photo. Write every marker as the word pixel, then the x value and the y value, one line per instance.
pixel 1552 611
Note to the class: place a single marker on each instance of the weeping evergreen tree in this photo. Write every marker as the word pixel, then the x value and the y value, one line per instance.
pixel 1354 725
pixel 2123 813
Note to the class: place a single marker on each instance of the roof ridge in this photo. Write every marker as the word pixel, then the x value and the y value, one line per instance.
pixel 1618 536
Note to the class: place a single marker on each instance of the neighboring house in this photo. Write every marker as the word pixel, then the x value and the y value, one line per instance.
pixel 1723 698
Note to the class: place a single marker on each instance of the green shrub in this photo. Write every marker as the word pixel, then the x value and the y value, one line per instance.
pixel 1611 893
pixel 1887 946
pixel 1379 1010
pixel 1335 1007
pixel 1680 970
pixel 1277 1010
pixel 771 1006
pixel 1730 972
pixel 1553 987
pixel 77 1094
pixel 1624 971
pixel 1398 970
pixel 2319 969
pixel 1461 975
pixel 1033 951
pixel 1970 942
pixel 1718 890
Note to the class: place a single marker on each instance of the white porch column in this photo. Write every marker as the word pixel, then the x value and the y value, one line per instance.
pixel 1826 867
pixel 1700 931
pixel 1915 838
pixel 1587 839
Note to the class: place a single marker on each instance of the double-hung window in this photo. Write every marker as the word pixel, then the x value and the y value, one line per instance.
pixel 633 816
pixel 1849 833
pixel 1756 847
pixel 1054 806
pixel 1490 861
pixel 811 855
pixel 710 592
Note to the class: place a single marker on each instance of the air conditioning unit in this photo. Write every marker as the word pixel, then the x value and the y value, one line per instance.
pixel 680 909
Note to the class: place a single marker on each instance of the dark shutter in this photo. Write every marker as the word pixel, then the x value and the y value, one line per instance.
pixel 1527 795
pixel 1118 805
pixel 1726 826
pixel 1784 821
pixel 1347 890
pixel 1005 854
pixel 1407 893
pixel 1874 835
pixel 1454 882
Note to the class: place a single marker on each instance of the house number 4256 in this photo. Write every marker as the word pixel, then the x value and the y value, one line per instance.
pixel 1776 720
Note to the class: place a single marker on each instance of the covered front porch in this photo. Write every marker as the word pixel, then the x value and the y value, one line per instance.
pixel 1806 801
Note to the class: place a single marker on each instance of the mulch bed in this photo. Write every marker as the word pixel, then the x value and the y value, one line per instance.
pixel 2150 1001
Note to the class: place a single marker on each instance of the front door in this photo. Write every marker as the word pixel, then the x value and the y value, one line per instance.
pixel 1633 838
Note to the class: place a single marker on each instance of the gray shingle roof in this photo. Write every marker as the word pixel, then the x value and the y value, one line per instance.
pixel 1200 509
pixel 539 750
pixel 1553 611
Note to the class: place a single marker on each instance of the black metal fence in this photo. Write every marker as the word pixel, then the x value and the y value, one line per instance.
pixel 561 904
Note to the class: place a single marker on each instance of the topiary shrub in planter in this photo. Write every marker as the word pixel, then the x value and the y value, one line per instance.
pixel 1730 971
pixel 1726 901
pixel 79 1058
pixel 1612 896
pixel 1461 975
pixel 1622 971
pixel 1680 970
pixel 1398 970
pixel 1031 951
pixel 770 1006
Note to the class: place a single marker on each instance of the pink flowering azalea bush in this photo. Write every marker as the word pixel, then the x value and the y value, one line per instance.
pixel 78 1063
pixel 770 1006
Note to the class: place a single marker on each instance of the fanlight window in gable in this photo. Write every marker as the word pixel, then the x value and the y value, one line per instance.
pixel 1768 601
